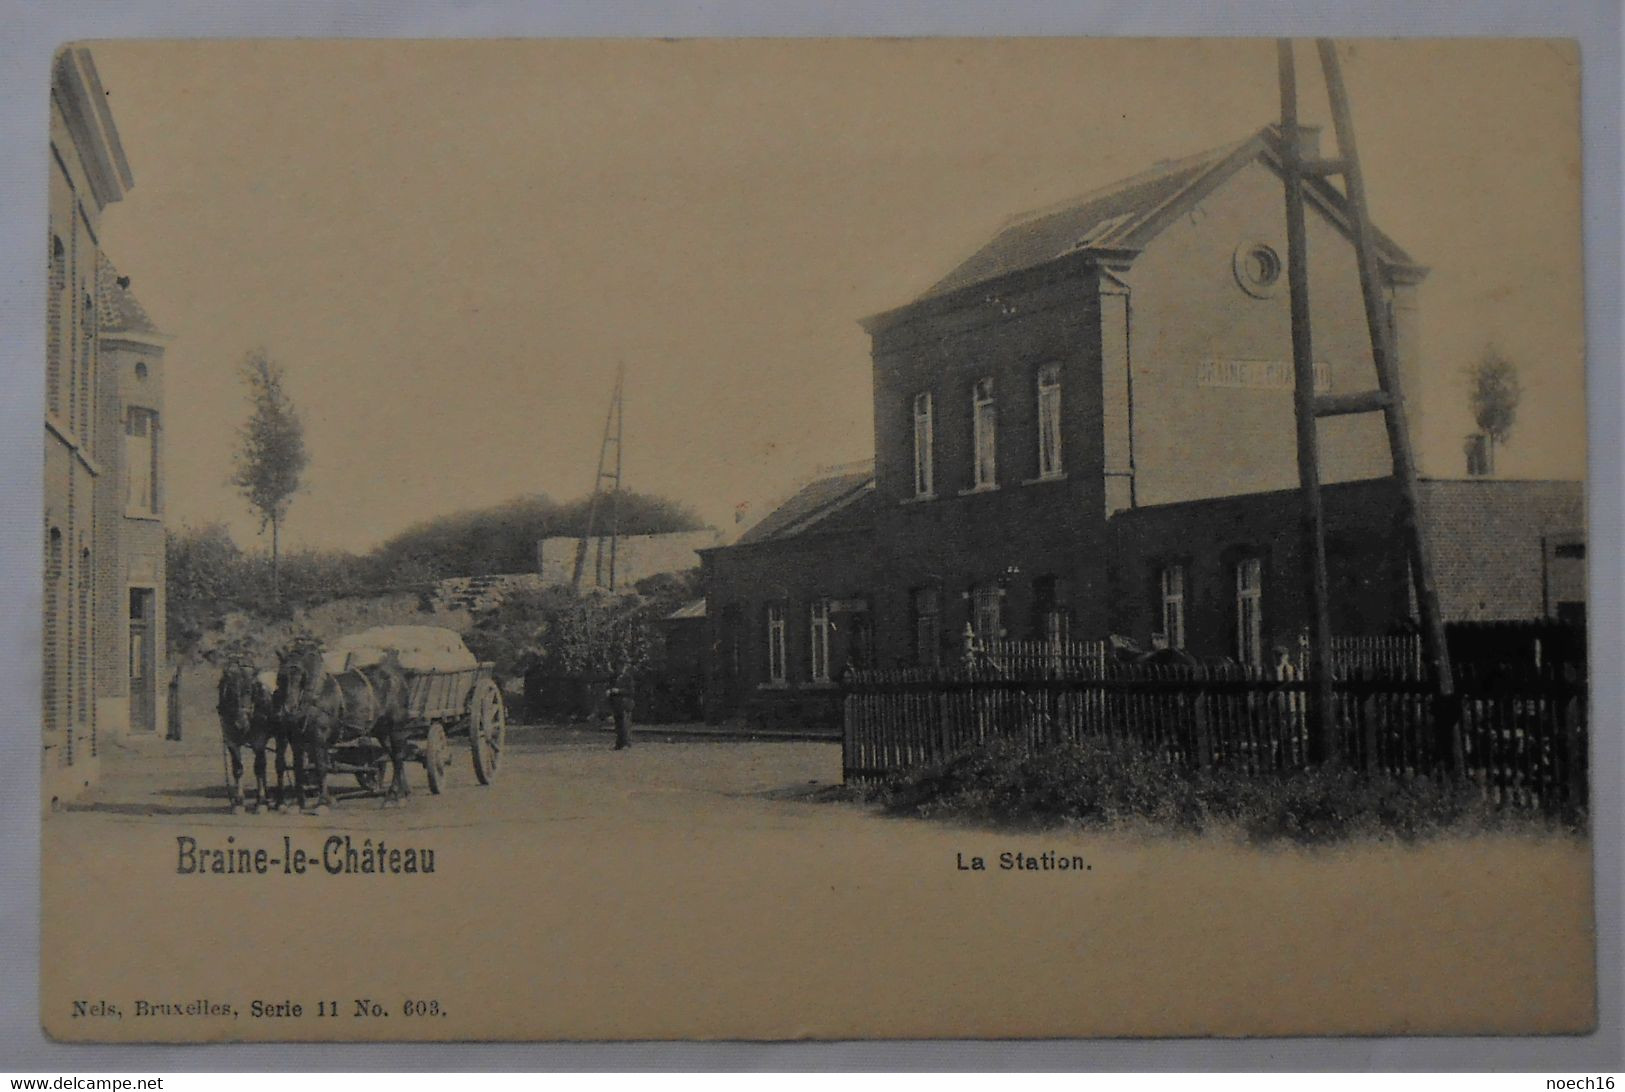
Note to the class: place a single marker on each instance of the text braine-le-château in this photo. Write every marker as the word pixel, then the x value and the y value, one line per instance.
pixel 340 855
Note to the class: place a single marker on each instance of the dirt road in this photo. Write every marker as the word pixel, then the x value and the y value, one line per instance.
pixel 702 889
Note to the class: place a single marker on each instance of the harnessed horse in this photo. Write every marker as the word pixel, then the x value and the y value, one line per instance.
pixel 321 708
pixel 246 719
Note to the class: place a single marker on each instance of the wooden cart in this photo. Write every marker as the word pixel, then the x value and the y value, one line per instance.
pixel 444 705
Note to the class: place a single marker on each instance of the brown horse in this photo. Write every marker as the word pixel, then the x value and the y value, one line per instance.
pixel 321 709
pixel 246 719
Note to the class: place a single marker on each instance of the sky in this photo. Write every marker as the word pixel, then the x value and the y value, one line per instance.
pixel 450 246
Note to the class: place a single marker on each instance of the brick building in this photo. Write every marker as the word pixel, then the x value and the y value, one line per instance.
pixel 1087 428
pixel 787 606
pixel 103 535
pixel 130 634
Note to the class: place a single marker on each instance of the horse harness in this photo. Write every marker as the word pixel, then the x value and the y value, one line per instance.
pixel 343 702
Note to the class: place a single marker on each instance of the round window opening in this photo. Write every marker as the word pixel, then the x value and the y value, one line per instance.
pixel 140 370
pixel 1258 269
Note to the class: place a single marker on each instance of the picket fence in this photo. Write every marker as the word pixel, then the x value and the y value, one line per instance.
pixel 1522 733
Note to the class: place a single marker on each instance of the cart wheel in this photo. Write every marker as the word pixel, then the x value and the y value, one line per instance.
pixel 434 757
pixel 487 729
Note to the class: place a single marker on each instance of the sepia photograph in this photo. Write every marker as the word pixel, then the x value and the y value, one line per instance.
pixel 727 539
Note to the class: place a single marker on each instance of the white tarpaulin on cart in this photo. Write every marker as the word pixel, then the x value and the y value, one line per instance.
pixel 420 648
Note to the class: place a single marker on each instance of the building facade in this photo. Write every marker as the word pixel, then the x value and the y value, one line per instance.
pixel 1087 428
pixel 103 536
pixel 130 635
pixel 788 606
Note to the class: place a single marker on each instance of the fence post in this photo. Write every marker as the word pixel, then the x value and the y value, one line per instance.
pixel 1204 731
pixel 846 736
pixel 1574 744
pixel 1367 704
pixel 1447 733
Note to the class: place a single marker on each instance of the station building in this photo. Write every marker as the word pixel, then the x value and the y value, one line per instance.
pixel 1087 429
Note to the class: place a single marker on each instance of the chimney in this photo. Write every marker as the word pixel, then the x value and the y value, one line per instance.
pixel 1480 456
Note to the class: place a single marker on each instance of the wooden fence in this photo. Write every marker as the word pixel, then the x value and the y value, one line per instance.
pixel 1389 657
pixel 1522 734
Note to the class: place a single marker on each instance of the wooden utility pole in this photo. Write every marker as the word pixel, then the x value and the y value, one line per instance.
pixel 1387 399
pixel 1323 735
pixel 612 436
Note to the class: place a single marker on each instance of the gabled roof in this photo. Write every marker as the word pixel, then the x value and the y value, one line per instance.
pixel 117 309
pixel 1126 215
pixel 1093 220
pixel 813 504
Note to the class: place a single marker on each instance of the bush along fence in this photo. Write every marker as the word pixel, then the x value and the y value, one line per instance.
pixel 1516 730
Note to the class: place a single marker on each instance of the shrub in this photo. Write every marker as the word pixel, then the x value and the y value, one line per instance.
pixel 1095 784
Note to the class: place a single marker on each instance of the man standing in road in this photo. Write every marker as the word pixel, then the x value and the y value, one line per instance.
pixel 620 706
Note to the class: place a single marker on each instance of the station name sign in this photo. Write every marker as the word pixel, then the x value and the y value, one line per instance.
pixel 1262 375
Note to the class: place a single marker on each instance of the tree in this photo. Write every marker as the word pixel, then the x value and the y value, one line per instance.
pixel 204 569
pixel 271 458
pixel 502 538
pixel 1493 393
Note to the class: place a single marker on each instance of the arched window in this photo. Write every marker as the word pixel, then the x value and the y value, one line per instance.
pixel 987 613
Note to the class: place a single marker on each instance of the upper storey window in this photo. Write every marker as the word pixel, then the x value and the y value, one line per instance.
pixel 923 469
pixel 984 429
pixel 141 460
pixel 1049 421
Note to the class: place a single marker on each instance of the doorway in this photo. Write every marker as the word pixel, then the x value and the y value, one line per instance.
pixel 143 661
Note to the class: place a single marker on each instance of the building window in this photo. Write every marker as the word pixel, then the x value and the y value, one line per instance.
pixel 927 627
pixel 138 636
pixel 87 337
pixel 53 639
pixel 1049 421
pixel 820 640
pixel 1258 269
pixel 923 484
pixel 984 428
pixel 1052 622
pixel 141 461
pixel 1249 612
pixel 53 319
pixel 861 642
pixel 1172 581
pixel 775 642
pixel 82 638
pixel 987 613
pixel 70 632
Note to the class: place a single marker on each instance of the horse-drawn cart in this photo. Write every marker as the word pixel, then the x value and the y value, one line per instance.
pixel 444 704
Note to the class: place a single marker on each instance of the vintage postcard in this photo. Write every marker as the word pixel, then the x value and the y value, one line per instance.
pixel 767 539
